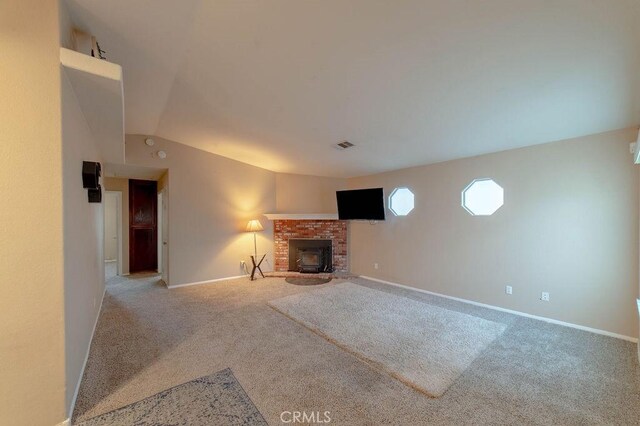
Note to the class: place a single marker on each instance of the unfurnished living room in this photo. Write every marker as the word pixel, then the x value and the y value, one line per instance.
pixel 336 212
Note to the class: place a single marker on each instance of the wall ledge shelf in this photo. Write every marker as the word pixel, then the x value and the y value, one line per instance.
pixel 302 216
pixel 99 90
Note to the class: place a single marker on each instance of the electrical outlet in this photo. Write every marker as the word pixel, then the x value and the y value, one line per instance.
pixel 545 296
pixel 508 289
pixel 242 264
pixel 375 265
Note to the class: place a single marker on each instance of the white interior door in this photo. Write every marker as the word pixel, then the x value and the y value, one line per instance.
pixel 110 227
pixel 113 228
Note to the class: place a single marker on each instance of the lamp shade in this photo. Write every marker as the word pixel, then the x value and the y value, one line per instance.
pixel 254 226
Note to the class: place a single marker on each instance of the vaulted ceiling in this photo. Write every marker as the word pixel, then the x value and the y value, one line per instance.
pixel 277 83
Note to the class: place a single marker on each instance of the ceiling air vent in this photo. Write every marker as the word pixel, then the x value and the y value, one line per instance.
pixel 343 145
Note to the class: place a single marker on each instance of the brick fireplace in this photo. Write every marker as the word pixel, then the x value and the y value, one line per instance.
pixel 334 230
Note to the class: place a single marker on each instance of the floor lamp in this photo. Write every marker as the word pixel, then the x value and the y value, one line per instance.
pixel 255 226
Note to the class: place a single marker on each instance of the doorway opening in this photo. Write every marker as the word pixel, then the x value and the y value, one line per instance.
pixel 142 230
pixel 143 225
pixel 112 234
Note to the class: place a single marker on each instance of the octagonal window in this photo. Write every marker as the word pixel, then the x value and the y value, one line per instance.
pixel 483 197
pixel 401 201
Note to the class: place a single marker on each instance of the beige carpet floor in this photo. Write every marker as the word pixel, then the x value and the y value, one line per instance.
pixel 150 338
pixel 422 345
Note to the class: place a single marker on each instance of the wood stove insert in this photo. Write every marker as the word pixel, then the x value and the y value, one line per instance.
pixel 310 255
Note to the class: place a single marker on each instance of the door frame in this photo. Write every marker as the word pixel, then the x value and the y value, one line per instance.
pixel 160 196
pixel 118 195
pixel 163 232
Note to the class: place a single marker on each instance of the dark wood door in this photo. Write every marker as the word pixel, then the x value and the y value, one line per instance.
pixel 143 227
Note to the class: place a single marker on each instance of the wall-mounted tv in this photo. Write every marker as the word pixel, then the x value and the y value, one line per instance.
pixel 361 204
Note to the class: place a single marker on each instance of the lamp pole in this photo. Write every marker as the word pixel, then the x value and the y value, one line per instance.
pixel 255 245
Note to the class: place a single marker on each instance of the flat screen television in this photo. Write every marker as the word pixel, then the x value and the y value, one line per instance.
pixel 361 204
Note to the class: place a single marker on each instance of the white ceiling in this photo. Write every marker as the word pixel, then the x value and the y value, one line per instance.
pixel 277 83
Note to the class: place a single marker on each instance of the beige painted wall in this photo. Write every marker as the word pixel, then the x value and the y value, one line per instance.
pixel 122 185
pixel 211 199
pixel 32 376
pixel 307 194
pixel 569 226
pixel 163 182
pixel 65 24
pixel 83 242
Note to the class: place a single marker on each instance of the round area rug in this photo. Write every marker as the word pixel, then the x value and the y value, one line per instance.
pixel 307 281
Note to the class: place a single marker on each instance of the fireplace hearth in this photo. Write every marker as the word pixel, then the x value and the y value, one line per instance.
pixel 310 255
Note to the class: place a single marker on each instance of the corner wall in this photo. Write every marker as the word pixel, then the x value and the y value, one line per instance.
pixel 31 246
pixel 307 194
pixel 83 243
pixel 569 226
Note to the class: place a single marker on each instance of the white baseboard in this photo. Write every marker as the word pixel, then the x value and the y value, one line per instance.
pixel 207 281
pixel 509 311
pixel 84 364
pixel 65 423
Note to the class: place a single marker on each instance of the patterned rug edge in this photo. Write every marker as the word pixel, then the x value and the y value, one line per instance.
pixel 227 370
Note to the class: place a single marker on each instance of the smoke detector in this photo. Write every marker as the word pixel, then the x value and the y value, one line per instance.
pixel 343 145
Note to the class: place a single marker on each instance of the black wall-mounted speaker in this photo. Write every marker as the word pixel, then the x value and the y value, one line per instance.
pixel 95 195
pixel 90 175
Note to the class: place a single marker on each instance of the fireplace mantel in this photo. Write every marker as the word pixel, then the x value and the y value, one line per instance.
pixel 301 216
